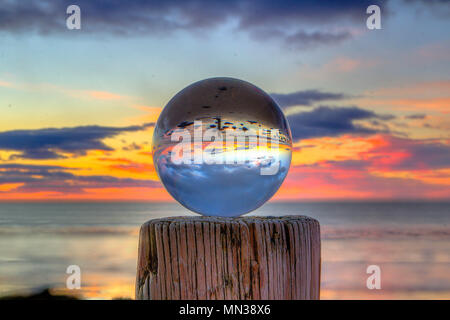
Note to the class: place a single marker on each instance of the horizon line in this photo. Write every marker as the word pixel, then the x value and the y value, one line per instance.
pixel 328 200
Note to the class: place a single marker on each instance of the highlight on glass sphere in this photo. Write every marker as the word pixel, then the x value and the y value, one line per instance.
pixel 222 147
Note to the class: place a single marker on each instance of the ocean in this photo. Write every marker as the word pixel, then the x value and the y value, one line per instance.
pixel 409 241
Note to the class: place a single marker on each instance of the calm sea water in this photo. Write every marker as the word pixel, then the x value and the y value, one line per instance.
pixel 409 241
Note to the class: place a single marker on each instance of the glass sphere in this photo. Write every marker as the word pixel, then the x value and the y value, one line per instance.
pixel 222 147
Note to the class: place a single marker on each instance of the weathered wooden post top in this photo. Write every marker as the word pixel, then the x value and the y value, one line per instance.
pixel 229 258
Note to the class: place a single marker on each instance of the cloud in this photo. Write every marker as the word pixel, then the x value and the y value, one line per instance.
pixel 301 39
pixel 53 143
pixel 5 84
pixel 325 121
pixel 19 173
pixel 38 178
pixel 104 95
pixel 345 64
pixel 374 166
pixel 416 116
pixel 419 104
pixel 431 96
pixel 132 147
pixel 380 152
pixel 305 98
pixel 143 16
pixel 304 40
pixel 428 89
pixel 429 1
pixel 439 8
pixel 410 154
pixel 301 24
pixel 434 52
pixel 353 180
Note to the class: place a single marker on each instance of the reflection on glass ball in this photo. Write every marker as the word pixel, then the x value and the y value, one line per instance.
pixel 222 147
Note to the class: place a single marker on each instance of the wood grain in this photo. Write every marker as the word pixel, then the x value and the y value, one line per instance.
pixel 248 258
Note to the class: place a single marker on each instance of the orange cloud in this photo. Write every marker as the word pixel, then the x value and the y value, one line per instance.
pixel 151 114
pixel 424 96
pixel 429 88
pixel 346 167
pixel 343 64
pixel 334 182
pixel 346 64
pixel 156 110
pixel 374 167
pixel 105 194
pixel 126 194
pixel 10 186
pixel 436 104
pixel 83 94
pixel 417 105
pixel 347 147
pixel 104 95
pixel 35 196
pixel 134 167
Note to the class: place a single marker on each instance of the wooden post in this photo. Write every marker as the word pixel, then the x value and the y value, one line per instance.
pixel 229 258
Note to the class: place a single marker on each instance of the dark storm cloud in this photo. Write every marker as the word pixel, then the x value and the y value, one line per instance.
pixel 51 143
pixel 37 178
pixel 295 23
pixel 325 121
pixel 305 98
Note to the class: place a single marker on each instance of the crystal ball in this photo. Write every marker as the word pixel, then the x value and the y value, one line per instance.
pixel 222 147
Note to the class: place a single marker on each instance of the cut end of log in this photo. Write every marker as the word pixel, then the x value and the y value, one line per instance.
pixel 255 258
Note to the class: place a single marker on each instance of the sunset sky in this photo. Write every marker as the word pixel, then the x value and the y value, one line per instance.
pixel 369 110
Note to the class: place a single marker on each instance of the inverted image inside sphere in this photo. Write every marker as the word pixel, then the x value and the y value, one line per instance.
pixel 222 147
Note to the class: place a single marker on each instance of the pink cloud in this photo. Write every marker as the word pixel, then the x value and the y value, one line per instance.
pixel 392 168
pixel 345 64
